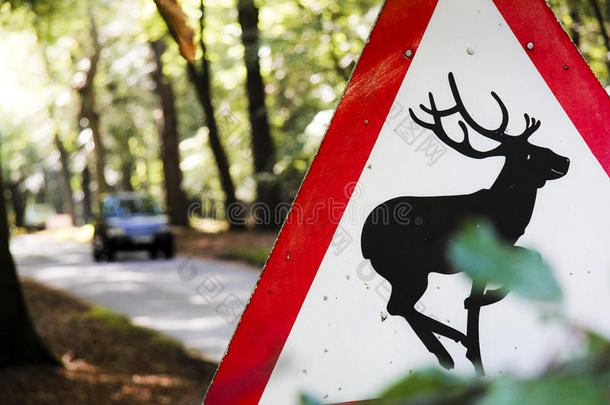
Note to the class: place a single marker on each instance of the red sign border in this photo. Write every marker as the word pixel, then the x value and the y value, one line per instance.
pixel 564 70
pixel 306 235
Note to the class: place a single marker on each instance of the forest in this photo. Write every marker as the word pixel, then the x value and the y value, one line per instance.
pixel 201 104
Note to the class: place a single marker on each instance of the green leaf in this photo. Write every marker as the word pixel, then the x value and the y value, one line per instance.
pixel 424 384
pixel 309 400
pixel 485 258
pixel 568 390
pixel 597 343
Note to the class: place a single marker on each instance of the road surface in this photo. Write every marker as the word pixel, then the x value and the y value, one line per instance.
pixel 198 302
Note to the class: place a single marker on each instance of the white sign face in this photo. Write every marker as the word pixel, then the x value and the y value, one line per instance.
pixel 344 344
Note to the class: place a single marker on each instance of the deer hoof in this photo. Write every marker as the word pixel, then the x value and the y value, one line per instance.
pixel 445 361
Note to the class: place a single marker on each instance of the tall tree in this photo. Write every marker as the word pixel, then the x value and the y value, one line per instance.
pixel 201 78
pixel 127 167
pixel 43 24
pixel 18 197
pixel 88 116
pixel 66 176
pixel 169 139
pixel 263 149
pixel 87 197
pixel 19 342
pixel 64 159
pixel 122 128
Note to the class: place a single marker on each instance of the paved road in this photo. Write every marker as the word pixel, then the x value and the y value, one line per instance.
pixel 195 301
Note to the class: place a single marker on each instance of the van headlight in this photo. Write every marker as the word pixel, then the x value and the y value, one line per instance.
pixel 115 231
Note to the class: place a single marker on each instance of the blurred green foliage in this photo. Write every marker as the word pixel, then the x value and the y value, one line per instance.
pixel 249 254
pixel 110 318
pixel 484 258
pixel 327 38
pixel 582 381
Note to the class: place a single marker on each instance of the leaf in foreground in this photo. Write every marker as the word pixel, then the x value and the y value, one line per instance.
pixel 478 252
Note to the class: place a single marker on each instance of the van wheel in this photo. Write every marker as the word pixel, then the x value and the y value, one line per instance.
pixel 97 246
pixel 169 250
pixel 110 254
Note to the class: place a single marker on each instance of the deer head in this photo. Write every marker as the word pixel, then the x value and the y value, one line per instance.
pixel 532 162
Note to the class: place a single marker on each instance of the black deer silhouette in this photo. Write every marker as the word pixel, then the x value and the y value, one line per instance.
pixel 405 253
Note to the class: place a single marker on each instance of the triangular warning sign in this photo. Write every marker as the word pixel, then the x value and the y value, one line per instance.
pixel 456 108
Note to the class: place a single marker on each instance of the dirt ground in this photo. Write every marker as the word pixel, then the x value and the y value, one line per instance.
pixel 249 246
pixel 107 360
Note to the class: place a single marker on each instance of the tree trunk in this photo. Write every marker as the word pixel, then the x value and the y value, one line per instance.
pixel 52 183
pixel 263 149
pixel 602 29
pixel 202 81
pixel 18 202
pixel 19 342
pixel 88 114
pixel 126 171
pixel 202 86
pixel 86 186
pixel 168 137
pixel 66 177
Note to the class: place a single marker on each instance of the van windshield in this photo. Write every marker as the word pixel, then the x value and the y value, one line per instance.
pixel 131 206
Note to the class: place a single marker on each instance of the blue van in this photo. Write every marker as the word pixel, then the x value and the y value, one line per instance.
pixel 130 221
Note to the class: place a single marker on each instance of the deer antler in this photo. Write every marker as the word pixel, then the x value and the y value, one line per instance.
pixel 531 126
pixel 464 147
pixel 495 134
pixel 499 134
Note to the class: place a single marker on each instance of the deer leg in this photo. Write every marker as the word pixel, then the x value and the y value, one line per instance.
pixel 423 331
pixel 473 348
pixel 442 329
pixel 402 302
